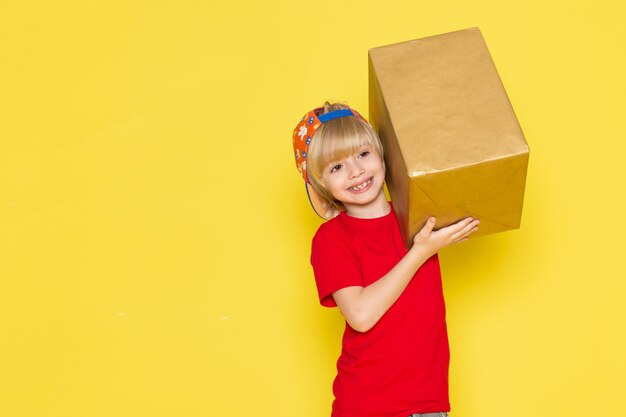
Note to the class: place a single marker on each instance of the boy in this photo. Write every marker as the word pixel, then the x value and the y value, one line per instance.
pixel 395 355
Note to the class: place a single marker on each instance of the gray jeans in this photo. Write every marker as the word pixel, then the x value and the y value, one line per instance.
pixel 430 415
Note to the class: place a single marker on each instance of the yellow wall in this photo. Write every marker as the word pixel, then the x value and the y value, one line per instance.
pixel 154 233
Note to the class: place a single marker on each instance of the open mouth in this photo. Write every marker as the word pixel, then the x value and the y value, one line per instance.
pixel 359 188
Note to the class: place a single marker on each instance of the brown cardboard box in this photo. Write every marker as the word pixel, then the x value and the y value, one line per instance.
pixel 453 146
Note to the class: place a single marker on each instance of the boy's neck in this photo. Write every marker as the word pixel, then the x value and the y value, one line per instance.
pixel 378 208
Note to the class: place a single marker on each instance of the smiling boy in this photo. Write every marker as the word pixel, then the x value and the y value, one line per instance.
pixel 395 355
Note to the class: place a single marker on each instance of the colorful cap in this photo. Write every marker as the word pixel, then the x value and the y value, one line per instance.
pixel 302 136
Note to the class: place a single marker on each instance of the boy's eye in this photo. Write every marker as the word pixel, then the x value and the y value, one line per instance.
pixel 335 168
pixel 363 154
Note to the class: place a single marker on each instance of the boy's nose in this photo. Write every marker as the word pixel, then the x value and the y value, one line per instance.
pixel 356 170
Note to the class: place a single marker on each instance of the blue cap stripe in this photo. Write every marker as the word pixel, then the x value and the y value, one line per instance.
pixel 334 115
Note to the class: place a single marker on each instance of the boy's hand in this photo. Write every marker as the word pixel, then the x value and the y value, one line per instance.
pixel 364 306
pixel 432 241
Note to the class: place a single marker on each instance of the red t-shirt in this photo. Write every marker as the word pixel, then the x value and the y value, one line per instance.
pixel 400 366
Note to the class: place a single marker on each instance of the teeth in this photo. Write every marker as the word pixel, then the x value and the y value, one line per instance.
pixel 360 187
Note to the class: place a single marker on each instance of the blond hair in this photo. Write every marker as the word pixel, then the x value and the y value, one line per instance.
pixel 334 140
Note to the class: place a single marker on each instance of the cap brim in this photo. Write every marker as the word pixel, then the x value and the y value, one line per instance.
pixel 320 206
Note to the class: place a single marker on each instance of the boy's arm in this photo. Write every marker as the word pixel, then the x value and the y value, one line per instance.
pixel 362 307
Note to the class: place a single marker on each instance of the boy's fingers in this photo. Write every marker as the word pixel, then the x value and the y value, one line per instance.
pixel 429 226
pixel 460 225
pixel 467 230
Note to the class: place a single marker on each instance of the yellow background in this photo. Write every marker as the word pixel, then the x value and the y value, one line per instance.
pixel 154 232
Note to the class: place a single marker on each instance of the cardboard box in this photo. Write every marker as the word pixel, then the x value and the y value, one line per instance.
pixel 453 146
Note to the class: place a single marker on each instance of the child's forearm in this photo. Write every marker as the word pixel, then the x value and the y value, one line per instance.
pixel 363 307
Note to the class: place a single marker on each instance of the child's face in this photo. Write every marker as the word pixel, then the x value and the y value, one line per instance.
pixel 357 180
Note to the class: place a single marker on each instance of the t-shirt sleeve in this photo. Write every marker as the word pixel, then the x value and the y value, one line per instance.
pixel 335 264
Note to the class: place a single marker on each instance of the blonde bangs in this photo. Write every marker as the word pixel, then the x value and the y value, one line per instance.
pixel 337 139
